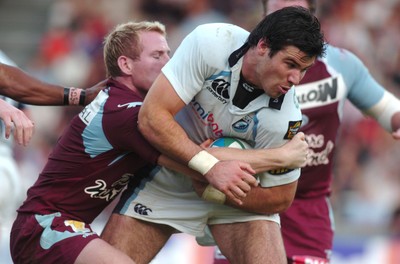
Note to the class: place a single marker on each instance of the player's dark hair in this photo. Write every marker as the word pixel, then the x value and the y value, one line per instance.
pixel 293 25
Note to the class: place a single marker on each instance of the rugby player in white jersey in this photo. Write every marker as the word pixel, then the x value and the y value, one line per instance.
pixel 307 225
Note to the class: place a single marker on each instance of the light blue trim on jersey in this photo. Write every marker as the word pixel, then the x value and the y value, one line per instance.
pixel 94 139
pixel 141 186
pixel 222 73
pixel 363 90
pixel 255 127
pixel 50 237
pixel 118 158
pixel 331 218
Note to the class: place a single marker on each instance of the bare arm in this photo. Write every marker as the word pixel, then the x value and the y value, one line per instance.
pixel 157 124
pixel 22 87
pixel 291 155
pixel 260 200
pixel 272 199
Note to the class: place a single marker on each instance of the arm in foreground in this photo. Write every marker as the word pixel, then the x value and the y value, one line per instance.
pixel 265 200
pixel 22 87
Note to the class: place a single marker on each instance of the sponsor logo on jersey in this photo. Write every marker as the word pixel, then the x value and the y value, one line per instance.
pixel 92 109
pixel 76 226
pixel 248 87
pixel 321 157
pixel 279 171
pixel 321 93
pixel 142 209
pixel 219 88
pixel 207 118
pixel 130 105
pixel 293 128
pixel 100 190
pixel 242 125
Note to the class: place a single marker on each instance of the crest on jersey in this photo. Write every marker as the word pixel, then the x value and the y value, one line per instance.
pixel 242 125
pixel 293 128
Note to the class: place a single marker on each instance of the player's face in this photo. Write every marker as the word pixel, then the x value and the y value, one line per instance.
pixel 274 5
pixel 278 74
pixel 154 56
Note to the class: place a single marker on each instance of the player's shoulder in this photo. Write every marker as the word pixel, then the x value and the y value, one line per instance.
pixel 220 35
pixel 340 55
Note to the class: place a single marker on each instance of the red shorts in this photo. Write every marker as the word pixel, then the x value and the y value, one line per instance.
pixel 48 239
pixel 307 228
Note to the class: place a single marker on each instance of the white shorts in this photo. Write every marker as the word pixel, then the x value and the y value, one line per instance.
pixel 11 191
pixel 166 197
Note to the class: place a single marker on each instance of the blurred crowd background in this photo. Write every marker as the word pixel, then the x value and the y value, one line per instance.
pixel 60 41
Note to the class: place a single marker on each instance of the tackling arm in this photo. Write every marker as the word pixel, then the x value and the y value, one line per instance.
pixel 268 200
pixel 20 86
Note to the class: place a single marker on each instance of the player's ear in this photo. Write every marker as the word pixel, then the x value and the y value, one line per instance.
pixel 262 47
pixel 125 64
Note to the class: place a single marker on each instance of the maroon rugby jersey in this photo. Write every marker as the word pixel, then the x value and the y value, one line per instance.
pixel 307 226
pixel 94 158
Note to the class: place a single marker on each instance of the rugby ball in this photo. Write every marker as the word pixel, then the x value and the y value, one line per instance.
pixel 229 142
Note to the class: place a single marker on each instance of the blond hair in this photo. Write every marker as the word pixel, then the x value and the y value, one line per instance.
pixel 124 41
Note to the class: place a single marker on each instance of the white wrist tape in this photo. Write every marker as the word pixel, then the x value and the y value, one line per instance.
pixel 213 195
pixel 202 162
pixel 384 110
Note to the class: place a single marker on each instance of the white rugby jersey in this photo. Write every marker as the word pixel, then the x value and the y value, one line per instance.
pixel 212 56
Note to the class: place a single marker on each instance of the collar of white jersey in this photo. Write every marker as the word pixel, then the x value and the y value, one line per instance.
pixel 237 54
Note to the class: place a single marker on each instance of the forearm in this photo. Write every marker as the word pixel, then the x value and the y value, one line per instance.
pixel 169 138
pixel 260 200
pixel 183 169
pixel 260 159
pixel 292 155
pixel 18 85
pixel 269 200
pixel 158 125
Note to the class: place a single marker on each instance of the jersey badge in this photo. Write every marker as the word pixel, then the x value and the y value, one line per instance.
pixel 242 125
pixel 293 128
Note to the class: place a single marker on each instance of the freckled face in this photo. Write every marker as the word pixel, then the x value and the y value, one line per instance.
pixel 154 56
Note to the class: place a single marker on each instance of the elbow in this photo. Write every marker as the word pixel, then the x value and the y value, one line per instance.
pixel 283 205
pixel 278 207
pixel 143 123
